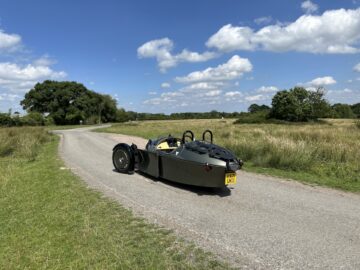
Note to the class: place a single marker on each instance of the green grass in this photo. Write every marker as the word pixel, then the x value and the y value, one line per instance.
pixel 325 153
pixel 50 219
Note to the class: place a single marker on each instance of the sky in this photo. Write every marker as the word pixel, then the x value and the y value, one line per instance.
pixel 181 56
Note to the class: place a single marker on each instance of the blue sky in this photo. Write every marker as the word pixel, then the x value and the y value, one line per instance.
pixel 176 56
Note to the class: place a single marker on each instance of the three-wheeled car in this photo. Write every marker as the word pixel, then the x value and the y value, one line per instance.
pixel 183 160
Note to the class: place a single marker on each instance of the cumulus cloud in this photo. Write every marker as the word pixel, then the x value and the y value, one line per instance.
pixel 232 69
pixel 16 78
pixel 263 20
pixel 335 31
pixel 165 85
pixel 357 67
pixel 9 97
pixel 231 38
pixel 9 41
pixel 345 95
pixel 45 60
pixel 309 7
pixel 267 89
pixel 321 81
pixel 161 49
pixel 255 98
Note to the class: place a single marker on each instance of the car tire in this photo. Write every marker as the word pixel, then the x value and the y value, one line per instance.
pixel 123 158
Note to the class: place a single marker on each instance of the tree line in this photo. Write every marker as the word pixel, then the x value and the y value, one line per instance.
pixel 298 105
pixel 64 103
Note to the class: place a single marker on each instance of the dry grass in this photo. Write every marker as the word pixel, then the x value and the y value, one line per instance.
pixel 327 153
pixel 22 142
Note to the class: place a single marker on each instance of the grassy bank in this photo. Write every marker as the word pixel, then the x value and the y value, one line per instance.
pixel 49 219
pixel 325 154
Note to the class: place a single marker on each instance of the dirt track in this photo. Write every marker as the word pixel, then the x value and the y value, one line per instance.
pixel 261 223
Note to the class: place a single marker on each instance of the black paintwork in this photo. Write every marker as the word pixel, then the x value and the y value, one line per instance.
pixel 198 163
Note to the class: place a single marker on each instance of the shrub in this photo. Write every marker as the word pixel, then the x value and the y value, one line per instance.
pixel 252 118
pixel 33 119
pixel 6 120
pixel 357 124
pixel 92 120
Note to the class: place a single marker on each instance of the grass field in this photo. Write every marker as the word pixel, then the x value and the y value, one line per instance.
pixel 49 219
pixel 318 153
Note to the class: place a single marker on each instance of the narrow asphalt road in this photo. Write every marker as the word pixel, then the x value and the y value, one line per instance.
pixel 261 223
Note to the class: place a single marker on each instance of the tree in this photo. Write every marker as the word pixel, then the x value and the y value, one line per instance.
pixel 356 109
pixel 298 104
pixel 69 102
pixel 253 108
pixel 342 111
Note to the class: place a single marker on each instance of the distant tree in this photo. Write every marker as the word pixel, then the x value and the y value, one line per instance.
pixel 343 111
pixel 356 109
pixel 298 104
pixel 69 102
pixel 253 108
pixel 320 107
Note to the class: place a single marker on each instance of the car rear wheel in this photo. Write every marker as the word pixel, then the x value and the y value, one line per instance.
pixel 123 159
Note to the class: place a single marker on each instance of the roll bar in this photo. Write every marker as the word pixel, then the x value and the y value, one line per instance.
pixel 185 134
pixel 211 135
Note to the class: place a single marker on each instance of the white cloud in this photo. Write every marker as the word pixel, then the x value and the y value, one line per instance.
pixel 349 96
pixel 165 85
pixel 201 86
pixel 231 38
pixel 322 81
pixel 213 93
pixel 255 98
pixel 152 93
pixel 45 60
pixel 267 89
pixel 263 20
pixel 309 7
pixel 9 41
pixel 9 97
pixel 161 50
pixel 357 67
pixel 14 77
pixel 335 31
pixel 233 94
pixel 232 69
pixel 171 94
pixel 11 71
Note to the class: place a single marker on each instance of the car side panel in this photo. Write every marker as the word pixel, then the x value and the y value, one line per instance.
pixel 190 172
pixel 149 162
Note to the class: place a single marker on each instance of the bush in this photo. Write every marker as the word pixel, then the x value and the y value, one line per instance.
pixel 92 120
pixel 253 118
pixel 6 120
pixel 357 124
pixel 33 119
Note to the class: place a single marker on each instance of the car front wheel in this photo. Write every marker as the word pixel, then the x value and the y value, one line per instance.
pixel 123 158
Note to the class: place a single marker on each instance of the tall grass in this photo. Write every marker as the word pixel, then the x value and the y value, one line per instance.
pixel 329 151
pixel 22 142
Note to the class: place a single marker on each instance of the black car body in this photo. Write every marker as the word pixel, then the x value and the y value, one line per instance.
pixel 194 162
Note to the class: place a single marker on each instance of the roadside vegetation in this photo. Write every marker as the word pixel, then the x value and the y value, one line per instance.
pixel 50 219
pixel 324 153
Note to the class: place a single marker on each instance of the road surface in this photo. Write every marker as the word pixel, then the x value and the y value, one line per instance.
pixel 261 223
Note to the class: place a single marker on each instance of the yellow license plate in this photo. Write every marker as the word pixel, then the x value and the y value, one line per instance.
pixel 230 178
